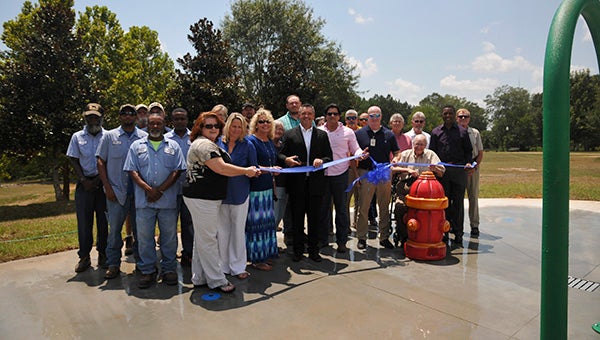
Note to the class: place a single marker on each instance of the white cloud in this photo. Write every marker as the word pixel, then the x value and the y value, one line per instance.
pixel 405 90
pixel 488 46
pixel 484 85
pixel 366 68
pixel 494 63
pixel 359 18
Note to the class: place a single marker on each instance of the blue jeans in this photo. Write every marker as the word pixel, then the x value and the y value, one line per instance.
pixel 187 228
pixel 167 225
pixel 116 214
pixel 88 204
pixel 336 186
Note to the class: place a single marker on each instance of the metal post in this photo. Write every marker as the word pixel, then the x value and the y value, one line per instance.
pixel 555 211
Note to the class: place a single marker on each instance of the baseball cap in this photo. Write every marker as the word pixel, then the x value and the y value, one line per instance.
pixel 139 106
pixel 247 104
pixel 155 104
pixel 93 109
pixel 126 106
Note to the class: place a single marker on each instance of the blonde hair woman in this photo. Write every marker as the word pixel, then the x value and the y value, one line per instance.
pixel 261 239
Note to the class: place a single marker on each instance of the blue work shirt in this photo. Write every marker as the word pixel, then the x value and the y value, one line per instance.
pixel 83 146
pixel 113 149
pixel 243 155
pixel 184 143
pixel 154 167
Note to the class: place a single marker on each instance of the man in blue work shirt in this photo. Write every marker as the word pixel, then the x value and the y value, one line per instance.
pixel 155 163
pixel 89 197
pixel 118 187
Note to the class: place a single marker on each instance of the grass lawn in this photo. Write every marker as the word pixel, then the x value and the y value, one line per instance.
pixel 32 224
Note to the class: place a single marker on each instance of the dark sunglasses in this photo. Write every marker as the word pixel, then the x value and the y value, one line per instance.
pixel 375 115
pixel 363 119
pixel 418 121
pixel 333 113
pixel 351 118
pixel 263 121
pixel 212 126
pixel 128 113
pixel 463 117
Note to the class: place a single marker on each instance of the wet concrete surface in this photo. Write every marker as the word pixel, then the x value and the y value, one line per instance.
pixel 487 289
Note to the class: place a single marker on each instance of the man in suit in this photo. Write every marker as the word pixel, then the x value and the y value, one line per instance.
pixel 306 145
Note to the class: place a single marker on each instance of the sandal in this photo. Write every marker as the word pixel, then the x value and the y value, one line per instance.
pixel 227 288
pixel 243 275
pixel 262 266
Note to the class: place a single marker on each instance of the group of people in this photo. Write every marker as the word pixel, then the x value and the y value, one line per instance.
pixel 227 182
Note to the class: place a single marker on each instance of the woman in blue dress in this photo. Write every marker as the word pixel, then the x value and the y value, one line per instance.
pixel 261 239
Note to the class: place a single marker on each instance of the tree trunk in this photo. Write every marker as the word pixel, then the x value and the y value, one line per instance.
pixel 60 193
pixel 66 180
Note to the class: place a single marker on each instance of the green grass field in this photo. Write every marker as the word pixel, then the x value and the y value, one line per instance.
pixel 32 224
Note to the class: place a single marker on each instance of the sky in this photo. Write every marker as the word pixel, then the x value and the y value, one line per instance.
pixel 408 49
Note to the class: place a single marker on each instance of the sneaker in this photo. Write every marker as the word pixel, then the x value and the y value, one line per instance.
pixel 83 264
pixel 147 280
pixel 112 272
pixel 170 278
pixel 386 244
pixel 475 232
pixel 362 244
pixel 128 245
pixel 102 261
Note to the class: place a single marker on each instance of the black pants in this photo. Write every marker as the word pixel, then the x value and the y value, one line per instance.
pixel 309 206
pixel 455 184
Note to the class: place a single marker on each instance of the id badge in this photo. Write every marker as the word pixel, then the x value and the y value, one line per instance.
pixel 372 142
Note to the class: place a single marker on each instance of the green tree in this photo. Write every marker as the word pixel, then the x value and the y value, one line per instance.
pixel 279 49
pixel 102 39
pixel 585 110
pixel 40 91
pixel 513 117
pixel 208 77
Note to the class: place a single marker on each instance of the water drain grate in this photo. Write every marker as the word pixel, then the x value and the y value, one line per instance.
pixel 588 286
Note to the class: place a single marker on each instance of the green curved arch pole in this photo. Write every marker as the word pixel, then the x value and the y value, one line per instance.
pixel 555 210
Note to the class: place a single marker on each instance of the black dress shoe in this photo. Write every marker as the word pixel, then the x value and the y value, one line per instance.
pixel 475 232
pixel 341 248
pixel 362 244
pixel 297 257
pixel 458 240
pixel 315 257
pixel 386 244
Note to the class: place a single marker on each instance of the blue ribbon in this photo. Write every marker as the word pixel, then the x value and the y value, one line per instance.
pixel 308 168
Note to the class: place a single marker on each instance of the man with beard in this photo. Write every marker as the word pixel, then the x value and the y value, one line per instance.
pixel 155 163
pixel 118 186
pixel 89 197
pixel 181 134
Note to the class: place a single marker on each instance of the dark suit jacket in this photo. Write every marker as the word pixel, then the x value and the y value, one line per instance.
pixel 293 144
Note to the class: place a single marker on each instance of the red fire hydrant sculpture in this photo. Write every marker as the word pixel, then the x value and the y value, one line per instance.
pixel 426 219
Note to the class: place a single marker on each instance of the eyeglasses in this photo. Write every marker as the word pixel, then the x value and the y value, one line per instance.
pixel 375 115
pixel 263 121
pixel 351 118
pixel 128 113
pixel 363 119
pixel 333 113
pixel 212 126
pixel 418 121
pixel 463 117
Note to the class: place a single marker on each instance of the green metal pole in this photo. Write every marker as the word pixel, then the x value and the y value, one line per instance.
pixel 555 211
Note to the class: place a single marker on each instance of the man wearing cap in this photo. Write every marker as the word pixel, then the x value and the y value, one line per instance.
pixel 118 186
pixel 89 197
pixel 248 111
pixel 181 134
pixel 351 118
pixel 142 116
pixel 157 107
pixel 155 164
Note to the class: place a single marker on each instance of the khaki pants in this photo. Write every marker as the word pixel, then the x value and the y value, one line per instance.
pixel 366 192
pixel 473 192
